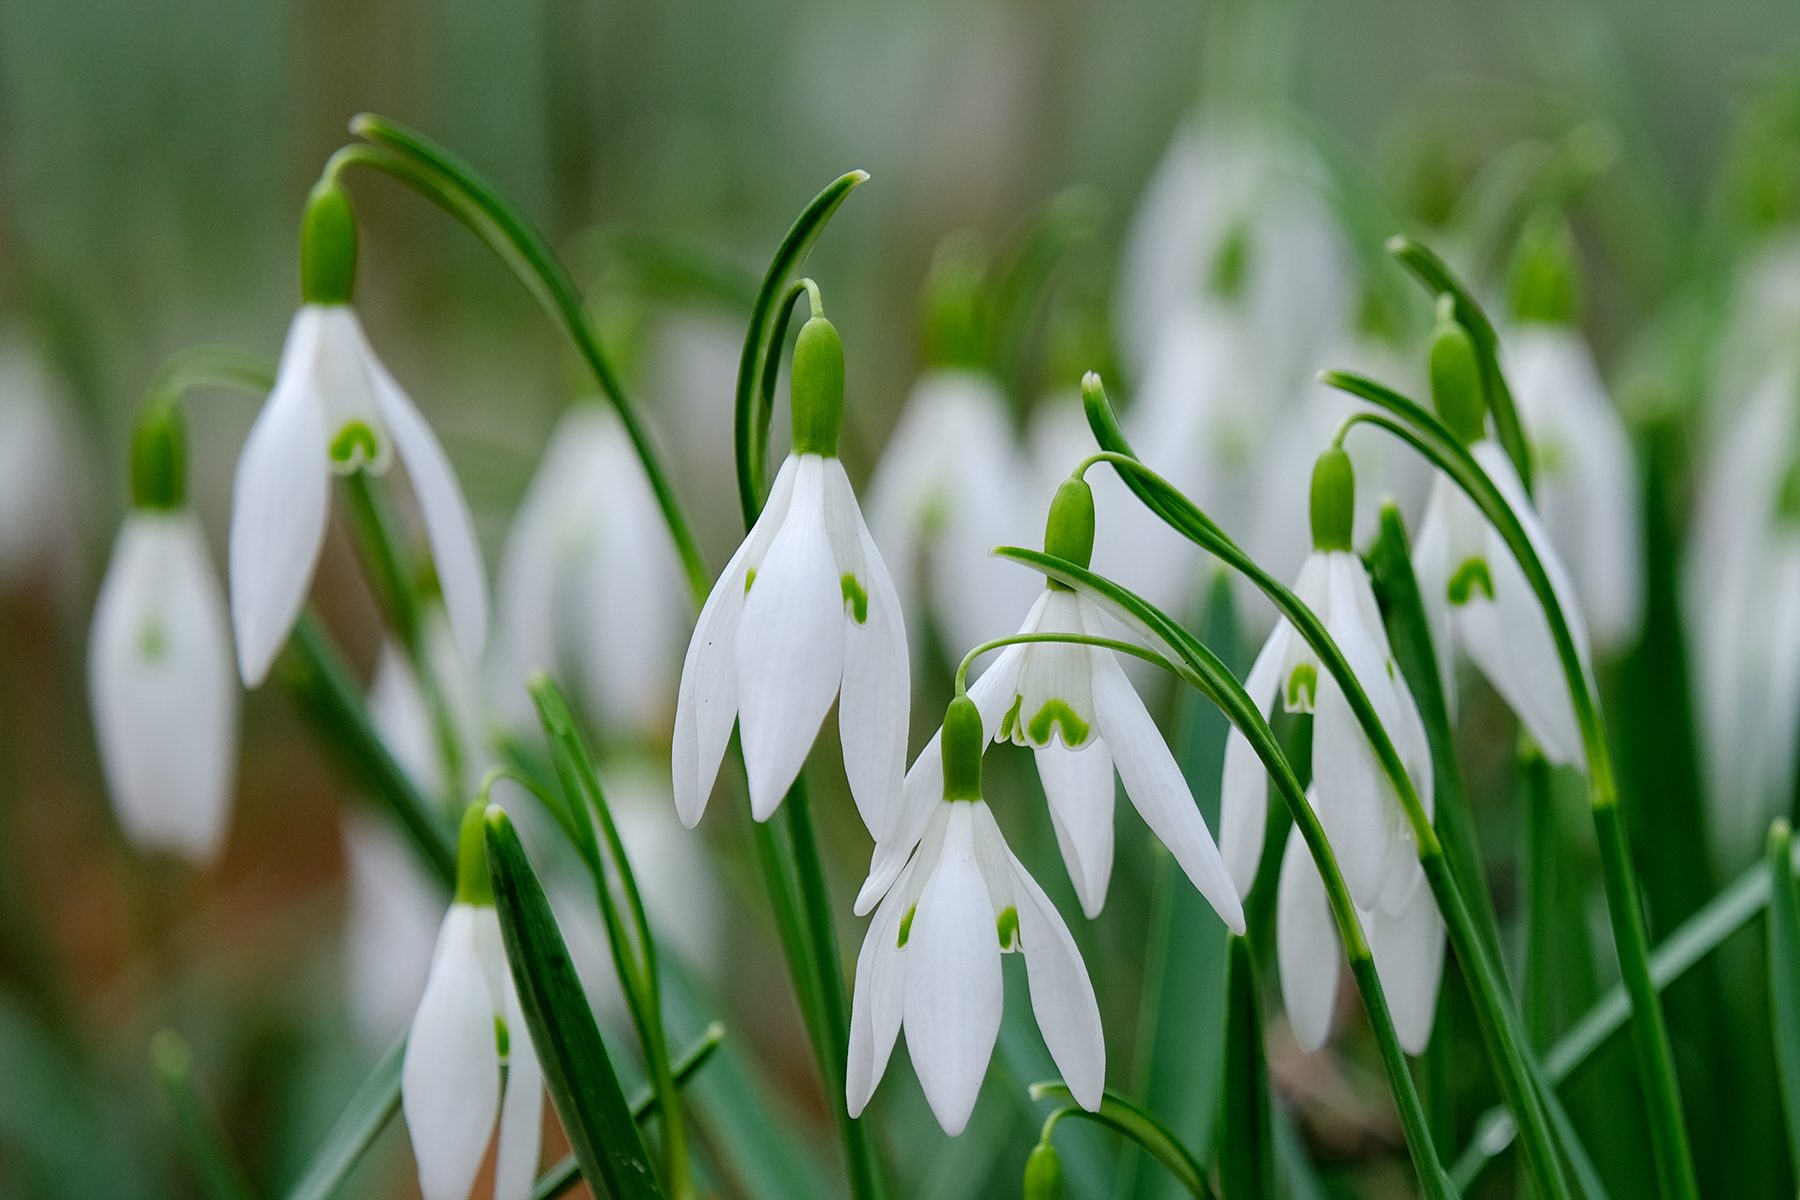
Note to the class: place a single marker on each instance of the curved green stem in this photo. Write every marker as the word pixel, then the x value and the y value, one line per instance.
pixel 196 367
pixel 1068 639
pixel 1132 1120
pixel 454 186
pixel 1656 1063
pixel 1201 669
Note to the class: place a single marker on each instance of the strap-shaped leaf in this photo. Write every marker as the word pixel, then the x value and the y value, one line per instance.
pixel 577 1070
pixel 362 1120
pixel 1247 1118
pixel 1784 975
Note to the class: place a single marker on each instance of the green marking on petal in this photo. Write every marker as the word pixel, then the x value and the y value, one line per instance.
pixel 1009 723
pixel 749 578
pixel 1470 578
pixel 1302 688
pixel 502 1038
pixel 354 443
pixel 153 642
pixel 856 600
pixel 1008 926
pixel 1058 713
pixel 906 927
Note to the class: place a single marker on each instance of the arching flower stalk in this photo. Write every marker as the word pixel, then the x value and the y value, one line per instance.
pixel 930 962
pixel 804 613
pixel 159 660
pixel 334 410
pixel 471 1075
pixel 1073 705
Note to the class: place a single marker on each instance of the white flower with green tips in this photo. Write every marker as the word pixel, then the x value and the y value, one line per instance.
pixel 803 614
pixel 1077 710
pixel 470 1075
pixel 1356 801
pixel 334 410
pixel 930 962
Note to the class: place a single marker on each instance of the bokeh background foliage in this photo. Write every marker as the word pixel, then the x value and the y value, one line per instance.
pixel 152 163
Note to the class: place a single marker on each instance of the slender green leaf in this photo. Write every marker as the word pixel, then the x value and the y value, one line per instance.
pixel 1784 975
pixel 197 1130
pixel 577 1070
pixel 367 1114
pixel 1247 1135
pixel 1140 1125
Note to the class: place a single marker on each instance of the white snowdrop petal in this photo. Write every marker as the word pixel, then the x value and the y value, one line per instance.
pixel 450 1077
pixel 1408 949
pixel 1055 685
pixel 1078 785
pixel 521 1109
pixel 278 508
pixel 1062 995
pixel 953 981
pixel 878 1003
pixel 790 646
pixel 1354 802
pixel 1154 784
pixel 449 528
pixel 164 693
pixel 1306 946
pixel 1432 568
pixel 1244 785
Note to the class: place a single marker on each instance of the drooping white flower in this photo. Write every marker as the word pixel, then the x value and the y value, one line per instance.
pixel 948 489
pixel 334 410
pixel 161 681
pixel 1073 705
pixel 392 911
pixel 1356 802
pixel 1406 942
pixel 41 474
pixel 589 581
pixel 468 1039
pixel 804 612
pixel 930 962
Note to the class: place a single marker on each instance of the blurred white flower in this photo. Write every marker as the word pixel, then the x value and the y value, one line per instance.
pixel 335 409
pixel 1407 944
pixel 1476 599
pixel 161 682
pixel 1356 801
pixel 391 915
pixel 424 743
pixel 1585 482
pixel 931 962
pixel 41 484
pixel 469 1034
pixel 949 488
pixel 589 584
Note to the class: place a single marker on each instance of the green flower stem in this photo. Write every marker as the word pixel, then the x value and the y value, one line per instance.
pixel 199 367
pixel 1541 917
pixel 1201 669
pixel 1068 639
pixel 197 1130
pixel 1735 906
pixel 1133 1121
pixel 454 186
pixel 1650 1035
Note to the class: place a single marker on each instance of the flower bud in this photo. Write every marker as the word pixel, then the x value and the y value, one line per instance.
pixel 1069 529
pixel 1456 389
pixel 1543 272
pixel 473 884
pixel 1333 500
pixel 818 388
pixel 159 457
pixel 327 246
pixel 1043 1173
pixel 963 742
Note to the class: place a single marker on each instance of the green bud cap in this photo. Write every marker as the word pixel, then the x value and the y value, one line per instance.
pixel 963 742
pixel 1069 530
pixel 1333 500
pixel 1456 389
pixel 818 389
pixel 1043 1173
pixel 473 885
pixel 327 246
pixel 1543 282
pixel 159 457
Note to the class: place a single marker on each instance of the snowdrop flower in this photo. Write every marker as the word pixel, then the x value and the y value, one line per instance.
pixel 468 1039
pixel 1475 594
pixel 804 611
pixel 930 961
pixel 588 581
pixel 1356 801
pixel 40 476
pixel 948 489
pixel 334 410
pixel 1073 705
pixel 1406 943
pixel 1586 479
pixel 159 662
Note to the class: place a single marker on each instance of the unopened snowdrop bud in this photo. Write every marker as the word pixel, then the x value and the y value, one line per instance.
pixel 468 1045
pixel 1043 1173
pixel 1333 500
pixel 804 613
pixel 1456 389
pixel 1069 529
pixel 334 410
pixel 159 662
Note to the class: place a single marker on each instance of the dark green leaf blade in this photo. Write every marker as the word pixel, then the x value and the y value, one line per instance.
pixel 1247 1120
pixel 367 1114
pixel 1784 974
